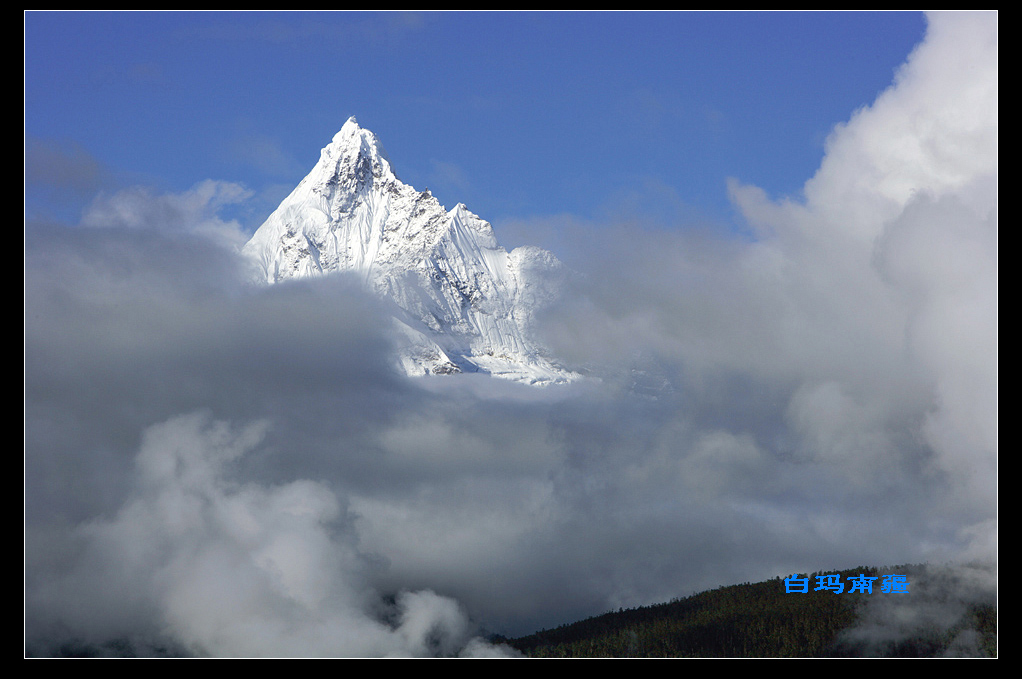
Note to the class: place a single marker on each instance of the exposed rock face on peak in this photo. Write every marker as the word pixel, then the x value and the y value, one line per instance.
pixel 465 303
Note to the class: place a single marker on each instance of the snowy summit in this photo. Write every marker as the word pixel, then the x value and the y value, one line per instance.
pixel 465 303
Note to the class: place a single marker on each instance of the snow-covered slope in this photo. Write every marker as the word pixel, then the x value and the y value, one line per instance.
pixel 464 303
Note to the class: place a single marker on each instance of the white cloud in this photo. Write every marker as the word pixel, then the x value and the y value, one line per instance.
pixel 232 569
pixel 833 403
pixel 194 211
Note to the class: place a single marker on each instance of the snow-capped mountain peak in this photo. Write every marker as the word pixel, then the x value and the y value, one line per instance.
pixel 358 150
pixel 465 303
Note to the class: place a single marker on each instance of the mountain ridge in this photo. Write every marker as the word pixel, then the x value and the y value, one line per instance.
pixel 465 303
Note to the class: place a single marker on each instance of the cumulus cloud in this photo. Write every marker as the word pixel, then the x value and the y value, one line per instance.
pixel 218 469
pixel 868 310
pixel 217 567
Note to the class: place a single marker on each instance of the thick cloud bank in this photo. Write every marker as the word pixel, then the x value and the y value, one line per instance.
pixel 215 469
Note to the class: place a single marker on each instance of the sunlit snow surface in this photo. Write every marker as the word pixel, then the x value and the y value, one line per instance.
pixel 464 304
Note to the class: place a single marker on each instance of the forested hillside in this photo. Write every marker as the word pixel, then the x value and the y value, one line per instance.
pixel 939 613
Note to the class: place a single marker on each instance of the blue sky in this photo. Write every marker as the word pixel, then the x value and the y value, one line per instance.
pixel 515 114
